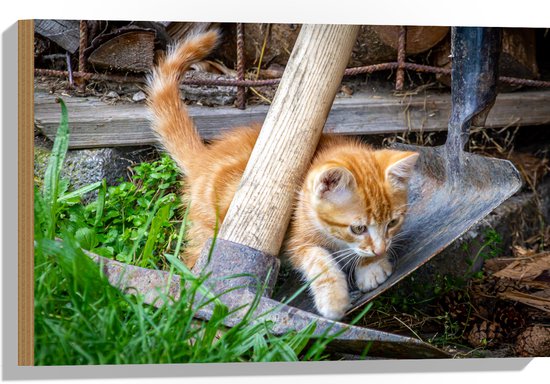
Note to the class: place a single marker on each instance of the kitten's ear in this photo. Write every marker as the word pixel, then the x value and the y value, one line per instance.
pixel 400 170
pixel 334 184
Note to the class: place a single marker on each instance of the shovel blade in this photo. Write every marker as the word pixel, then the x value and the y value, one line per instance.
pixel 443 207
pixel 451 190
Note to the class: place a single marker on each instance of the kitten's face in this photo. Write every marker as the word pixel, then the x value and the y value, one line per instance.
pixel 360 203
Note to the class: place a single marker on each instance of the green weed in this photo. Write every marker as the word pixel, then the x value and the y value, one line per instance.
pixel 81 319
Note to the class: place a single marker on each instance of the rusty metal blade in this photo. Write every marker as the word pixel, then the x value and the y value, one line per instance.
pixel 155 286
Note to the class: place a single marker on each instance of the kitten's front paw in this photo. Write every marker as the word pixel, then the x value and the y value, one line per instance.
pixel 370 276
pixel 332 301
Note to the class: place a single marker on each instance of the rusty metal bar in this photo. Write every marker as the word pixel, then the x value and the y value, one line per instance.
pixel 241 90
pixel 263 83
pixel 428 68
pixel 141 79
pixel 90 76
pixel 83 45
pixel 401 55
pixel 526 82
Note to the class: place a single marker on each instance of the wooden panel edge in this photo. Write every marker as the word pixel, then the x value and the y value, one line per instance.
pixel 25 274
pixel 381 116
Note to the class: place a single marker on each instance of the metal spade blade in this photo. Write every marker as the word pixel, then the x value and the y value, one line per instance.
pixel 452 189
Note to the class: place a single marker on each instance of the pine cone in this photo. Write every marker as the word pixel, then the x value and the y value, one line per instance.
pixel 492 286
pixel 483 287
pixel 456 304
pixel 534 342
pixel 510 319
pixel 484 334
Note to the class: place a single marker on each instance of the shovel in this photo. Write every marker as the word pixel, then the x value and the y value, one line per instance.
pixel 452 189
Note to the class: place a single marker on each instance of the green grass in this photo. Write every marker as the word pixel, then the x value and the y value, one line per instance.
pixel 81 319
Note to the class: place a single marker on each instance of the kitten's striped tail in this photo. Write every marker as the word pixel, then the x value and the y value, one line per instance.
pixel 170 119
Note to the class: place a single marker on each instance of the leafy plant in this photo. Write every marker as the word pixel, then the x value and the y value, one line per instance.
pixel 81 319
pixel 133 221
pixel 488 249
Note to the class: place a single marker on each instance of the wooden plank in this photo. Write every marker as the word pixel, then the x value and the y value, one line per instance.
pixel 94 123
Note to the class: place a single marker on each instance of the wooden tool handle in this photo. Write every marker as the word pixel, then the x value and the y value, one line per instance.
pixel 260 211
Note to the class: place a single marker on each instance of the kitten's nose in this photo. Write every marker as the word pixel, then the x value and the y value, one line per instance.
pixel 381 251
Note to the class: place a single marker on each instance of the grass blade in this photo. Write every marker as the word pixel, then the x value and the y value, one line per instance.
pixel 100 203
pixel 53 170
pixel 156 225
pixel 79 192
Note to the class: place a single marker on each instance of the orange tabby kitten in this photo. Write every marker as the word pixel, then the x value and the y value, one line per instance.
pixel 348 210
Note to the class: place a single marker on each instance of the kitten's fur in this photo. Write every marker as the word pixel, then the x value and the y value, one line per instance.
pixel 348 210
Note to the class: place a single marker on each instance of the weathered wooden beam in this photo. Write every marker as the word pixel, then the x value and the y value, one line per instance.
pixel 94 123
pixel 261 208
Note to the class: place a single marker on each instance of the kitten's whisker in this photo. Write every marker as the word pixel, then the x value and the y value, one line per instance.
pixel 392 254
pixel 398 238
pixel 342 256
pixel 346 258
pixel 398 247
pixel 350 261
pixel 339 252
pixel 353 256
pixel 399 235
pixel 351 272
pixel 352 269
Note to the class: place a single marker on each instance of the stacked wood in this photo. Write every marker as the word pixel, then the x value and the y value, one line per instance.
pixel 272 43
pixel 65 33
pixel 179 30
pixel 378 43
pixel 134 46
pixel 131 50
pixel 111 45
pixel 517 58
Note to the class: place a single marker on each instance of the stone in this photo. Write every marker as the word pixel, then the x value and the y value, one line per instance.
pixel 112 95
pixel 87 166
pixel 139 96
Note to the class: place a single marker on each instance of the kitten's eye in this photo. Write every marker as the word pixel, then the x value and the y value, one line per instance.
pixel 393 223
pixel 358 229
